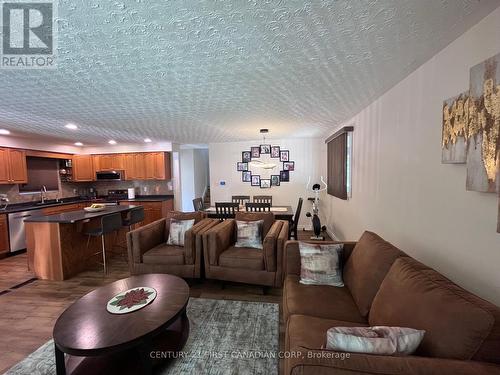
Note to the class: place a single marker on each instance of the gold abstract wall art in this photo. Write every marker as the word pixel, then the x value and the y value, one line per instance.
pixel 455 122
pixel 471 129
pixel 483 141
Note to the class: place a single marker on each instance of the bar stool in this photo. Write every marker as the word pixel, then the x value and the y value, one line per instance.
pixel 109 224
pixel 134 216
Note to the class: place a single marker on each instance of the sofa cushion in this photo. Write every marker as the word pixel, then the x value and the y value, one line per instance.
pixel 249 234
pixel 178 229
pixel 321 264
pixel 164 254
pixel 367 266
pixel 322 301
pixel 242 257
pixel 310 331
pixel 413 295
pixel 268 218
pixel 380 340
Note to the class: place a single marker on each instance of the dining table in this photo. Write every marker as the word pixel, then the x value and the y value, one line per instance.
pixel 280 212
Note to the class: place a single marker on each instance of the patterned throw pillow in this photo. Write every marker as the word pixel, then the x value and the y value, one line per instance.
pixel 177 230
pixel 249 234
pixel 321 264
pixel 374 340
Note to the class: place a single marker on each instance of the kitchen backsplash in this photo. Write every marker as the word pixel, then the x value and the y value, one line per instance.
pixel 69 189
pixel 141 187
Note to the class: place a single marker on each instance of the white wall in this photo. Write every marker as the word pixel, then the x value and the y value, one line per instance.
pixel 309 155
pixel 187 179
pixel 201 171
pixel 33 144
pixel 194 175
pixel 400 188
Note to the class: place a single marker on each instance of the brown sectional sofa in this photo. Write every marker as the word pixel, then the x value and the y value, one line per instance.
pixel 384 286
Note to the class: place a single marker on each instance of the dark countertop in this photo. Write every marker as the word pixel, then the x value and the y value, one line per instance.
pixel 18 207
pixel 75 216
pixel 149 198
pixel 29 206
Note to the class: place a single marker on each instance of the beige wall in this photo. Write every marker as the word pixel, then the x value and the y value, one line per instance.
pixel 400 188
pixel 309 155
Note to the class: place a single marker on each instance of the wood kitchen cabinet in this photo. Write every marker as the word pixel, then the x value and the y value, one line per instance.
pixel 137 166
pixel 13 169
pixel 4 236
pixel 140 166
pixel 83 168
pixel 108 162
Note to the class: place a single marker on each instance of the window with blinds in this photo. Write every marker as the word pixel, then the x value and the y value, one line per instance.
pixel 339 151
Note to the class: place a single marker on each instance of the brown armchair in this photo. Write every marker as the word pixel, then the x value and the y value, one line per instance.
pixel 148 251
pixel 224 261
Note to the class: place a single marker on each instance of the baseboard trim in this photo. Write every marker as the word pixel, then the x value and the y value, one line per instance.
pixel 332 235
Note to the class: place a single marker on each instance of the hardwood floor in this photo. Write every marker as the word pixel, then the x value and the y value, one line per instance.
pixel 29 307
pixel 28 313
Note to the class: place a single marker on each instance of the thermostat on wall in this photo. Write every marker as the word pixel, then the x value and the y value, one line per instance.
pixel 222 183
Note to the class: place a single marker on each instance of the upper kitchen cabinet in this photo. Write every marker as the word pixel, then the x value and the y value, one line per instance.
pixel 157 166
pixel 83 168
pixel 13 169
pixel 163 169
pixel 109 162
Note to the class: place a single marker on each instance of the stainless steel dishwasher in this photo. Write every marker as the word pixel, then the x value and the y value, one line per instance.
pixel 17 233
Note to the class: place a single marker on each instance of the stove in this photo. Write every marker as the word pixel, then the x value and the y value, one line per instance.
pixel 117 195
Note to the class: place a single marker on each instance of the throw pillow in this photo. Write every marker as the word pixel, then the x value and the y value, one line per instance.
pixel 249 234
pixel 178 229
pixel 321 264
pixel 374 340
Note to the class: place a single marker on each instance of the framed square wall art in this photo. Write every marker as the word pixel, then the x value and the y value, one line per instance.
pixel 255 152
pixel 255 180
pixel 246 176
pixel 246 156
pixel 265 149
pixel 284 155
pixel 275 151
pixel 275 180
pixel 289 165
pixel 240 166
pixel 285 176
pixel 265 183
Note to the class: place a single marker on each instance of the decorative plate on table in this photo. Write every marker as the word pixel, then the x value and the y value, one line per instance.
pixel 94 209
pixel 131 300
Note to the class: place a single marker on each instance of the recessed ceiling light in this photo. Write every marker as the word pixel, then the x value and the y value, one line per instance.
pixel 147 140
pixel 112 142
pixel 71 126
pixel 78 144
pixel 4 132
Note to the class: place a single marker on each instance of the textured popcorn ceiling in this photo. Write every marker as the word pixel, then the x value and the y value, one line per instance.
pixel 211 71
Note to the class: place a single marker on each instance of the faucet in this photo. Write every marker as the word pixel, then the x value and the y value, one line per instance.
pixel 43 191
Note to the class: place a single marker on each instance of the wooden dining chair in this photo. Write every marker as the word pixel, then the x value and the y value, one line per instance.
pixel 240 199
pixel 295 223
pixel 226 210
pixel 263 199
pixel 258 207
pixel 198 204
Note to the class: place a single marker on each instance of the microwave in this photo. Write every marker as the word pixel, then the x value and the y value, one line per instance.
pixel 109 175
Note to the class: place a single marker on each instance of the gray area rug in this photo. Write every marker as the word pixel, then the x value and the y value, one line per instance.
pixel 226 337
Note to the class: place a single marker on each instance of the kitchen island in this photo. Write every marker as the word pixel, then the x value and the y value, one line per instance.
pixel 57 244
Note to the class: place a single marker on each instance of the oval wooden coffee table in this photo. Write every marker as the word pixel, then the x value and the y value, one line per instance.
pixel 97 341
